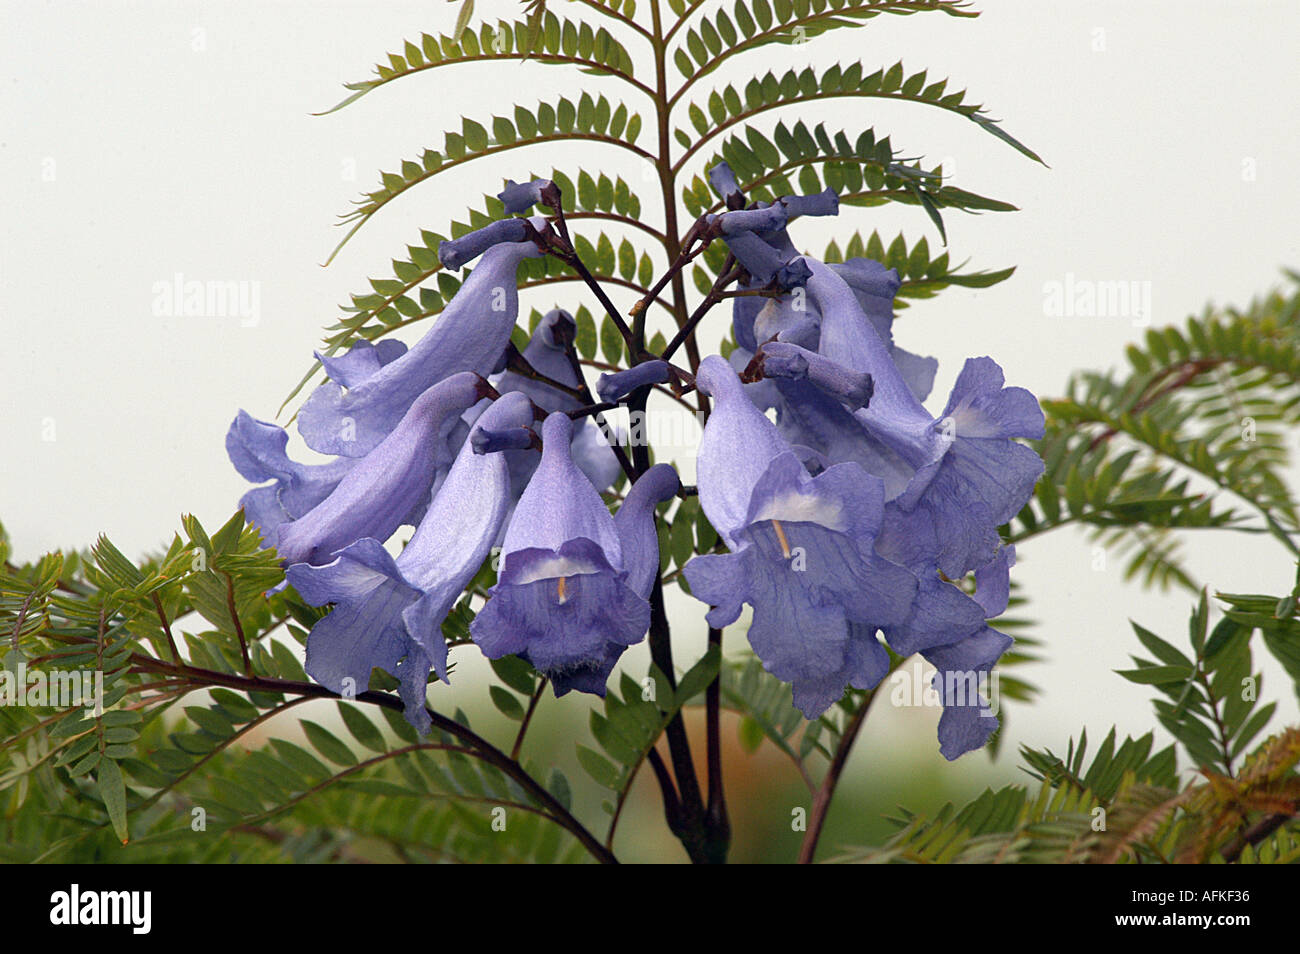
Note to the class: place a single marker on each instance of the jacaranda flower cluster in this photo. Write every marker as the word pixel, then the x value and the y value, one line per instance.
pixel 850 514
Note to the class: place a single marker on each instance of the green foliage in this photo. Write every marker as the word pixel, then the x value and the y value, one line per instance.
pixel 923 275
pixel 767 711
pixel 1191 435
pixel 563 42
pixel 1274 618
pixel 1002 827
pixel 632 721
pixel 194 754
pixel 170 761
pixel 589 119
pixel 729 106
pixel 1138 813
pixel 757 23
pixel 1109 766
pixel 865 172
pixel 1211 694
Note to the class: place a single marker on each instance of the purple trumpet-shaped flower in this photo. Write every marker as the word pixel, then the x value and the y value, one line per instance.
pixel 950 482
pixel 802 552
pixel 391 485
pixel 257 449
pixel 387 613
pixel 470 335
pixel 569 596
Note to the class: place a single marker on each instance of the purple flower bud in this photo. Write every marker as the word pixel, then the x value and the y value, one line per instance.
pixel 758 240
pixel 793 274
pixel 757 257
pixel 752 220
pixel 613 386
pixel 519 197
pixel 852 388
pixel 825 202
pixel 455 253
pixel 547 354
pixel 723 181
pixel 485 441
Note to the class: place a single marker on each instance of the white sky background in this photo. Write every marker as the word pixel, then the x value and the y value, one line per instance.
pixel 139 140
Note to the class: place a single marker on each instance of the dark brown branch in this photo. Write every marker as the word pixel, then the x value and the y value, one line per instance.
pixel 716 820
pixel 167 627
pixel 239 627
pixel 551 196
pixel 822 800
pixel 1254 835
pixel 528 717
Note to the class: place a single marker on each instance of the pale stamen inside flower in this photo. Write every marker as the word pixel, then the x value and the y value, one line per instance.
pixel 560 590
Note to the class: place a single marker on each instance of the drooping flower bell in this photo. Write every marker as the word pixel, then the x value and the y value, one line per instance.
pixel 953 480
pixel 566 598
pixel 387 613
pixel 391 485
pixel 257 449
pixel 803 552
pixel 470 335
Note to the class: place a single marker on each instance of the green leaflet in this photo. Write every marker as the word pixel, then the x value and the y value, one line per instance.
pixel 1209 401
pixel 595 50
pixel 864 172
pixel 712 40
pixel 588 119
pixel 731 106
pixel 419 288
